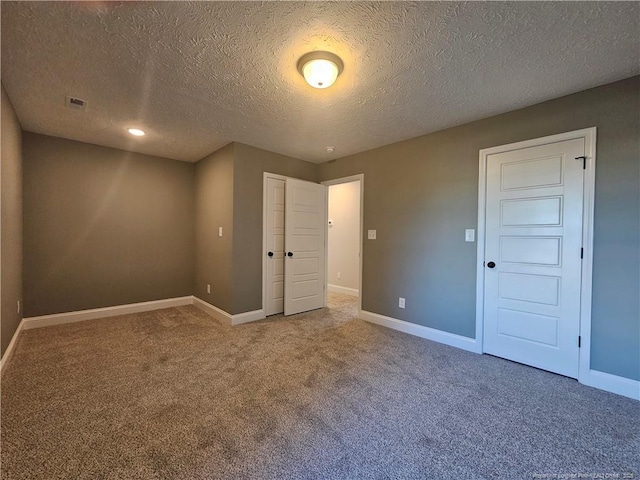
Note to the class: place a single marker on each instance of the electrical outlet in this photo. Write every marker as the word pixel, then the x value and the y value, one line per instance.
pixel 371 234
pixel 339 275
pixel 401 302
pixel 208 288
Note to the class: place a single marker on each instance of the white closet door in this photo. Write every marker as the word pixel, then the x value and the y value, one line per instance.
pixel 305 215
pixel 274 246
pixel 533 255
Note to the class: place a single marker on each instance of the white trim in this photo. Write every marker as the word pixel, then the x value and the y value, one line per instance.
pixel 613 383
pixel 94 313
pixel 237 319
pixel 589 136
pixel 604 381
pixel 29 323
pixel 337 181
pixel 8 353
pixel 482 205
pixel 212 310
pixel 354 292
pixel 246 317
pixel 584 365
pixel 451 339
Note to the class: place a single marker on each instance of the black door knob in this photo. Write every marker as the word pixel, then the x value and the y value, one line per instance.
pixel 289 254
pixel 270 254
pixel 491 264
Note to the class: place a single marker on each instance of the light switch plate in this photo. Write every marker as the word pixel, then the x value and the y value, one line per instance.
pixel 469 235
pixel 219 231
pixel 371 234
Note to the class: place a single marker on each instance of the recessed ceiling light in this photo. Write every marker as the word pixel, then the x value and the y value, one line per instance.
pixel 330 149
pixel 320 69
pixel 136 131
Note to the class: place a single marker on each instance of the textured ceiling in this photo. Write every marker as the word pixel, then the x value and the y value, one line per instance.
pixel 198 75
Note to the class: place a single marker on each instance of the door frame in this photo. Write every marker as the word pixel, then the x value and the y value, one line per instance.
pixel 337 181
pixel 589 136
pixel 265 176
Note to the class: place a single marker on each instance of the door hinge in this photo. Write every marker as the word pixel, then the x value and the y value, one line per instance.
pixel 579 341
pixel 582 252
pixel 584 161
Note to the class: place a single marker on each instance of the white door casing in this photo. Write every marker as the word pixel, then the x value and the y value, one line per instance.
pixel 274 197
pixel 535 227
pixel 305 217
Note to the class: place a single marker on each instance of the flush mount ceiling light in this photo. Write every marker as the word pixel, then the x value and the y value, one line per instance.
pixel 136 131
pixel 320 69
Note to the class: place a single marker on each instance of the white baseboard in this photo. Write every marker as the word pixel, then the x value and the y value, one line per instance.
pixel 6 358
pixel 354 292
pixel 247 317
pixel 614 384
pixel 604 381
pixel 212 310
pixel 94 313
pixel 220 314
pixel 451 339
pixel 601 380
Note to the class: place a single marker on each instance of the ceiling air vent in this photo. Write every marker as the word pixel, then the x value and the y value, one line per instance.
pixel 76 103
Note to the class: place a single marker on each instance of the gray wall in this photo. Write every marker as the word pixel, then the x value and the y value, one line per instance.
pixel 421 194
pixel 214 208
pixel 11 228
pixel 250 165
pixel 103 226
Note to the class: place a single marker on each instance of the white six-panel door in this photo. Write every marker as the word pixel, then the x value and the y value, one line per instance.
pixel 305 215
pixel 274 244
pixel 533 241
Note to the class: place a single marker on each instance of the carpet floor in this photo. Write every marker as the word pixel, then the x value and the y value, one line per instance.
pixel 175 394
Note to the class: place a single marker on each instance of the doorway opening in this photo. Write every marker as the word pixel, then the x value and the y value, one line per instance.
pixel 345 207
